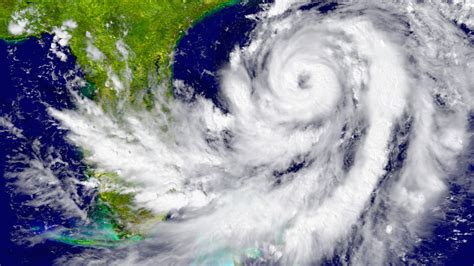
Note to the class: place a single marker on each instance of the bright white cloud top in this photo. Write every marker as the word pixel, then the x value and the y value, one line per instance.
pixel 307 159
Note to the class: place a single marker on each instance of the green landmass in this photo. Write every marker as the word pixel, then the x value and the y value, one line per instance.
pixel 116 220
pixel 116 198
pixel 125 42
pixel 148 30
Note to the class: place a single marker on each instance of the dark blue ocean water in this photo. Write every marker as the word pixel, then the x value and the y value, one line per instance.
pixel 27 88
pixel 205 48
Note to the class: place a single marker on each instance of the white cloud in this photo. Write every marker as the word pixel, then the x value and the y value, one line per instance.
pixel 316 81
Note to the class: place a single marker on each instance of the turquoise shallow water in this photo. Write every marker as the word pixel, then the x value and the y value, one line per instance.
pixel 28 89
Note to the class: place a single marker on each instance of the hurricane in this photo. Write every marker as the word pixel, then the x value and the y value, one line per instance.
pixel 338 134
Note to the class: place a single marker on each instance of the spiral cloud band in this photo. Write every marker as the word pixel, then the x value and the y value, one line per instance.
pixel 339 135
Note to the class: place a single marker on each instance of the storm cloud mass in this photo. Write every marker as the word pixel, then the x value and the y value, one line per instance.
pixel 340 135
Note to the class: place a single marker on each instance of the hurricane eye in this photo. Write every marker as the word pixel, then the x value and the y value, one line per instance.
pixel 224 132
pixel 304 80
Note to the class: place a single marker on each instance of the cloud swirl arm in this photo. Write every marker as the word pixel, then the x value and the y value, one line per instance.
pixel 339 133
